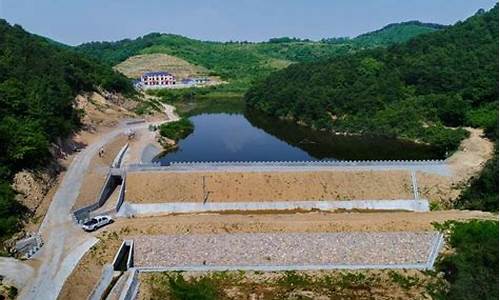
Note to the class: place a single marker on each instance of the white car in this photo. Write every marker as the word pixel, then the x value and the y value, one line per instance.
pixel 97 222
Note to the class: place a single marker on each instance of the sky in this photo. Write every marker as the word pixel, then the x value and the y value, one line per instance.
pixel 78 21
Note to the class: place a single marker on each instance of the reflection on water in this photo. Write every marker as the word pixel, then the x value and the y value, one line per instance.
pixel 321 144
pixel 253 137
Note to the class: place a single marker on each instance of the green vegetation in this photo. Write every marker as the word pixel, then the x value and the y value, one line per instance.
pixel 176 130
pixel 244 61
pixel 287 285
pixel 482 194
pixel 192 101
pixel 176 287
pixel 395 33
pixel 38 82
pixel 414 90
pixel 472 268
pixel 239 63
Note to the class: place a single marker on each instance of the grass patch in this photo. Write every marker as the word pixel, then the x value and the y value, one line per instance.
pixel 226 98
pixel 176 286
pixel 292 285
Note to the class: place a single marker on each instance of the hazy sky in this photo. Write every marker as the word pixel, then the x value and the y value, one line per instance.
pixel 77 21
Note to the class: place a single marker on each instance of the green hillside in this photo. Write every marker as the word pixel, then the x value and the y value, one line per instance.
pixel 416 90
pixel 242 62
pixel 38 83
pixel 238 61
pixel 395 33
pixel 411 90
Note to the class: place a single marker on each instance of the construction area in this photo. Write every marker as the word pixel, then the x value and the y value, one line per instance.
pixel 265 217
pixel 257 220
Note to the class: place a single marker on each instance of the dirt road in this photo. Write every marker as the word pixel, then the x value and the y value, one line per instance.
pixel 293 222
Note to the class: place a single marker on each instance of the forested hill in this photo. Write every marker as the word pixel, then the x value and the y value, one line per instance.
pixel 395 33
pixel 38 82
pixel 413 90
pixel 243 60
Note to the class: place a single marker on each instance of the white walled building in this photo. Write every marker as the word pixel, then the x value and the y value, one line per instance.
pixel 157 80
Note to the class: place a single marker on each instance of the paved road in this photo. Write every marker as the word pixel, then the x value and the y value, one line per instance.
pixel 65 242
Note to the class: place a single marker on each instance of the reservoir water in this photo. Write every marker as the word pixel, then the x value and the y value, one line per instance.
pixel 253 137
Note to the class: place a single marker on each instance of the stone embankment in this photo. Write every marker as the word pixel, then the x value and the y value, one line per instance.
pixel 287 251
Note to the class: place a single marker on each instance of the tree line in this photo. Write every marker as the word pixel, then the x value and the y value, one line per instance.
pixel 39 80
pixel 415 90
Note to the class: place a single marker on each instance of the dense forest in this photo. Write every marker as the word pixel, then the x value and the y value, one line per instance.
pixel 425 89
pixel 414 90
pixel 242 62
pixel 38 82
pixel 395 33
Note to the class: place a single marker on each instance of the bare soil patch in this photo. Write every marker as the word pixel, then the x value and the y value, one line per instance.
pixel 300 222
pixel 158 187
pixel 465 163
pixel 135 66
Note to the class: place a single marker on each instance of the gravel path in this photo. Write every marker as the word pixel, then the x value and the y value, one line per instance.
pixel 356 249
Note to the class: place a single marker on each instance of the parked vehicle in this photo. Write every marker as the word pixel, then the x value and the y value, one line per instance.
pixel 97 222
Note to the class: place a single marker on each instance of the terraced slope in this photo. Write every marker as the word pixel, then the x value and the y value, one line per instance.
pixel 135 66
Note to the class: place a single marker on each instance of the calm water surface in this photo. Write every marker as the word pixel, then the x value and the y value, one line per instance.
pixel 253 137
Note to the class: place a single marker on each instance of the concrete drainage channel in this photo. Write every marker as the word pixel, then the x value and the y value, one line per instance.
pixel 131 209
pixel 119 280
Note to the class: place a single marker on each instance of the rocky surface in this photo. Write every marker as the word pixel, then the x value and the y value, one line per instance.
pixel 284 249
pixel 32 186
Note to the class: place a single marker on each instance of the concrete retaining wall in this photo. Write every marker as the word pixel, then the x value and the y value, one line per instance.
pixel 27 247
pixel 121 195
pixel 119 157
pixel 113 178
pixel 103 283
pixel 131 288
pixel 82 214
pixel 129 209
pixel 132 122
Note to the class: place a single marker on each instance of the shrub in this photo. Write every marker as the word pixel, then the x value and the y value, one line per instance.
pixel 177 130
pixel 472 268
